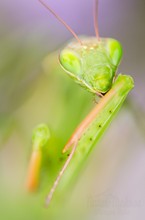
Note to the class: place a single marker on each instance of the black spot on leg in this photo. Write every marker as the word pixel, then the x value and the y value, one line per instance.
pixel 68 155
pixel 90 139
pixel 100 126
pixel 110 111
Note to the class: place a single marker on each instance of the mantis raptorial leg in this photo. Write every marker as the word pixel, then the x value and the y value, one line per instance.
pixel 92 127
pixel 40 137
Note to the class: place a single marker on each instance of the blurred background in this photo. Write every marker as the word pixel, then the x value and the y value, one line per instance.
pixel 34 89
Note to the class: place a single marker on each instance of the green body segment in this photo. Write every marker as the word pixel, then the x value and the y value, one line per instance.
pixel 108 107
pixel 93 64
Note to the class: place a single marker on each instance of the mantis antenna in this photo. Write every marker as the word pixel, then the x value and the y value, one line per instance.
pixel 62 21
pixel 96 19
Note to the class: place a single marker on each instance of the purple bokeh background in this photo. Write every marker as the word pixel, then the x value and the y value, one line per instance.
pixel 77 13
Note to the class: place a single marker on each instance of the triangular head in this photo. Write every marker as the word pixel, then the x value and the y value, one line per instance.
pixel 93 63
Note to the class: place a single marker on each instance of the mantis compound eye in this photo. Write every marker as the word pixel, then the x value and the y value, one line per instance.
pixel 115 51
pixel 70 61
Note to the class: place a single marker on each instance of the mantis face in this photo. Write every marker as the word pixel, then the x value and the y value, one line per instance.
pixel 92 64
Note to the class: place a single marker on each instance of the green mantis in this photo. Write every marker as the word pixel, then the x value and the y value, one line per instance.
pixel 92 62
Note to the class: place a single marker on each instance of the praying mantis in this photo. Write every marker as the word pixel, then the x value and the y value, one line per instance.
pixel 91 62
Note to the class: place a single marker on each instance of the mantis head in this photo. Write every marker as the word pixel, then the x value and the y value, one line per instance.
pixel 93 63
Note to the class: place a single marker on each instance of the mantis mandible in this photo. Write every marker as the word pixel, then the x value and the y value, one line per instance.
pixel 92 62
